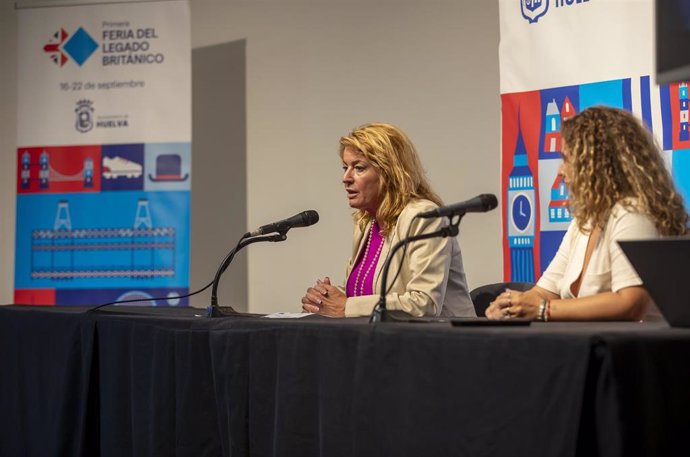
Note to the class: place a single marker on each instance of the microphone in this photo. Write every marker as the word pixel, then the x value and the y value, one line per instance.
pixel 303 219
pixel 479 204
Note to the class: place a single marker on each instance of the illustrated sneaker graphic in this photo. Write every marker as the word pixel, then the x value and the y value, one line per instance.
pixel 117 167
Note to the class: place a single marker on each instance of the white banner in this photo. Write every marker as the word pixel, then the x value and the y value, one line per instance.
pixel 128 63
pixel 104 153
pixel 552 43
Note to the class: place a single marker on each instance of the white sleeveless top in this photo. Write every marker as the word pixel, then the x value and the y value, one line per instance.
pixel 608 270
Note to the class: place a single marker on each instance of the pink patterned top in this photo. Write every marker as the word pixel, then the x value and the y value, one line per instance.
pixel 361 280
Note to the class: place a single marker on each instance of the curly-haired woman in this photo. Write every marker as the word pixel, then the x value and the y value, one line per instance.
pixel 619 189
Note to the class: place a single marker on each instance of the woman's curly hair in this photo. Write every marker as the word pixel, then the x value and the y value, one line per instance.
pixel 401 175
pixel 612 158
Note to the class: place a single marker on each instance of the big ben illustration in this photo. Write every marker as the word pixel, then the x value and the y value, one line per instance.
pixel 521 208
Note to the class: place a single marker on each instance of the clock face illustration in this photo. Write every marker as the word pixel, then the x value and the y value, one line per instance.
pixel 521 212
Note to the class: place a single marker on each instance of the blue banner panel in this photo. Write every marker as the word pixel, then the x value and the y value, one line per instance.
pixel 123 239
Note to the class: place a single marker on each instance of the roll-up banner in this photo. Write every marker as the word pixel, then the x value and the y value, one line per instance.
pixel 104 153
pixel 558 57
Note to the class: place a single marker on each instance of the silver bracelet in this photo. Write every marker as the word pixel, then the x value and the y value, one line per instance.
pixel 542 310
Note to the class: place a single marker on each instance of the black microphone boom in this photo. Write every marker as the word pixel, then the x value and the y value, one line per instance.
pixel 479 204
pixel 303 219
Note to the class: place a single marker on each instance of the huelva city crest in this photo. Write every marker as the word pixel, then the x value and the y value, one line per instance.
pixel 84 111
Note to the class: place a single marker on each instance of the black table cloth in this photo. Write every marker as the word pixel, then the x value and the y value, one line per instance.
pixel 171 382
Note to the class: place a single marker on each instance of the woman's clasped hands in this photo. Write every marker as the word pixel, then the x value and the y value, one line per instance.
pixel 325 299
pixel 513 303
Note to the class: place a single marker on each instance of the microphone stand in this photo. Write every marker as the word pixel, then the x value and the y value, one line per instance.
pixel 215 310
pixel 380 313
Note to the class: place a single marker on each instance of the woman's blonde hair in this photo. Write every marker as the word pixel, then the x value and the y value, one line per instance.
pixel 613 159
pixel 401 176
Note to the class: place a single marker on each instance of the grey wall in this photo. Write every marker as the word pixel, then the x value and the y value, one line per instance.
pixel 219 164
pixel 8 147
pixel 314 70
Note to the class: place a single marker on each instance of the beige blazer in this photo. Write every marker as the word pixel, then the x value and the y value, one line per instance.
pixel 431 281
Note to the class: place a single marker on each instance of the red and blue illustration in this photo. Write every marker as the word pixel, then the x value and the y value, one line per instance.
pixel 535 197
pixel 59 169
pixel 88 227
pixel 521 127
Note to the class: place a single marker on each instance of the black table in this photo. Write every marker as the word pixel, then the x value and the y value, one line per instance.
pixel 166 382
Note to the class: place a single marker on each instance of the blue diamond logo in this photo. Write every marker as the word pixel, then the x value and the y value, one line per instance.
pixel 80 46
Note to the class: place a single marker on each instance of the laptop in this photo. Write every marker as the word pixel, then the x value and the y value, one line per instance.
pixel 664 266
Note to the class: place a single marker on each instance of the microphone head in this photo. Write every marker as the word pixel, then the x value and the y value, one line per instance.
pixel 310 217
pixel 489 202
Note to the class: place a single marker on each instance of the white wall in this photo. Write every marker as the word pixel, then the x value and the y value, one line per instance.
pixel 316 69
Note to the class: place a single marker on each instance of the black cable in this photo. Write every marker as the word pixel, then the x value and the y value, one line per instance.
pixel 150 299
pixel 230 254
